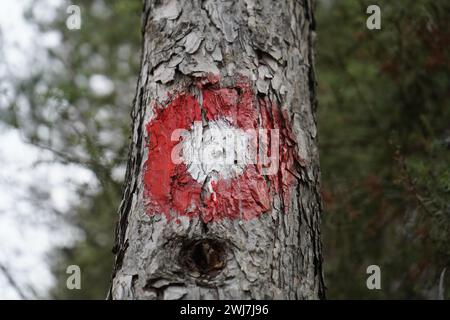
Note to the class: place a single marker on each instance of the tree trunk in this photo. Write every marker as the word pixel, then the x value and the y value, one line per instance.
pixel 255 234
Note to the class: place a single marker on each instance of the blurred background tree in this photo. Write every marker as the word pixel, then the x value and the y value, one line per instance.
pixel 384 132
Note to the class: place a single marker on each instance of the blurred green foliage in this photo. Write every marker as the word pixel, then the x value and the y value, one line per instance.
pixel 384 126
pixel 79 107
pixel 384 134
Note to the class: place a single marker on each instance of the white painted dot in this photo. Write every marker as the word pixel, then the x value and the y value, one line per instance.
pixel 216 151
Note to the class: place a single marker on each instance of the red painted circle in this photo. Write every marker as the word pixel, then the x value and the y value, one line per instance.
pixel 169 188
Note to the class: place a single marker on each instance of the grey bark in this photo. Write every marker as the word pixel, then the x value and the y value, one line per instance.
pixel 278 255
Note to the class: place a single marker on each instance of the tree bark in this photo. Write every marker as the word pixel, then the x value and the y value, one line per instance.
pixel 275 255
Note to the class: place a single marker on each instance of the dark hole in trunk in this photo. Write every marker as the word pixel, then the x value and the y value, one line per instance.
pixel 204 257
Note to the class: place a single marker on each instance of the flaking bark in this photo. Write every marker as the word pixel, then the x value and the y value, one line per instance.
pixel 277 255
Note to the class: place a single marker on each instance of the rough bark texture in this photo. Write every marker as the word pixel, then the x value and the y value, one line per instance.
pixel 274 256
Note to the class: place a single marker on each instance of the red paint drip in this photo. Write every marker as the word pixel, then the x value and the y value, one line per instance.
pixel 169 188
